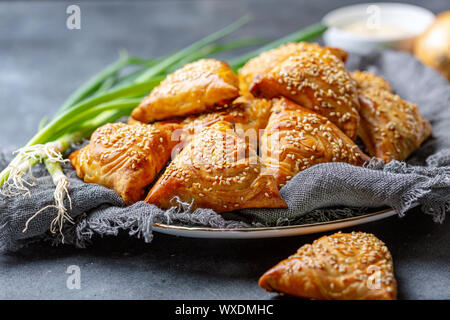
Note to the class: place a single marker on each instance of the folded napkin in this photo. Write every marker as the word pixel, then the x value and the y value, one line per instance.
pixel 321 193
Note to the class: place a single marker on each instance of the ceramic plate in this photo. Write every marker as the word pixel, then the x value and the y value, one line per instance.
pixel 270 232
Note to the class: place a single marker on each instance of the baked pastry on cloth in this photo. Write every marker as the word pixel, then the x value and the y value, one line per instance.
pixel 125 158
pixel 391 128
pixel 216 170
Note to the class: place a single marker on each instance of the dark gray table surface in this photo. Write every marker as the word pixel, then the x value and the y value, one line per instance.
pixel 41 62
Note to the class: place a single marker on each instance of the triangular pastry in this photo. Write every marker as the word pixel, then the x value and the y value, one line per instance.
pixel 391 128
pixel 343 266
pixel 216 170
pixel 125 158
pixel 268 60
pixel 204 85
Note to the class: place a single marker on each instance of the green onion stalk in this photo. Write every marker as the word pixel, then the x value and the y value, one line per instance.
pixel 107 97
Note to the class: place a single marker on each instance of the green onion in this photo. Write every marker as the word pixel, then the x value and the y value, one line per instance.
pixel 71 123
pixel 174 58
pixel 95 82
pixel 60 120
pixel 108 83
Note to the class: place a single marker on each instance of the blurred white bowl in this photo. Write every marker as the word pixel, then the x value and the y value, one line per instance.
pixel 367 27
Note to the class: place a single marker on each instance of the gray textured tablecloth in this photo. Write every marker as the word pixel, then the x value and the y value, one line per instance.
pixel 322 192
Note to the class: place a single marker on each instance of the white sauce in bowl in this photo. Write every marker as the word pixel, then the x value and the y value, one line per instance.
pixel 382 31
pixel 367 27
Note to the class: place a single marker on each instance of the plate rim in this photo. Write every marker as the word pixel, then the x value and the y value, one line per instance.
pixel 255 229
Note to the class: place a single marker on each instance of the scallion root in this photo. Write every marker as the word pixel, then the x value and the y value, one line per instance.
pixel 59 195
pixel 15 184
pixel 14 175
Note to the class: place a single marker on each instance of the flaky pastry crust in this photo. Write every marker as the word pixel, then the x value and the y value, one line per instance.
pixel 199 86
pixel 297 138
pixel 366 80
pixel 125 158
pixel 391 128
pixel 216 170
pixel 249 116
pixel 310 75
pixel 268 60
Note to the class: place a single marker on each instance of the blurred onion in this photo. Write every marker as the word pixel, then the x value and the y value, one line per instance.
pixel 433 46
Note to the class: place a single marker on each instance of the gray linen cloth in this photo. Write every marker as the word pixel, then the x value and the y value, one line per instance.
pixel 323 192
